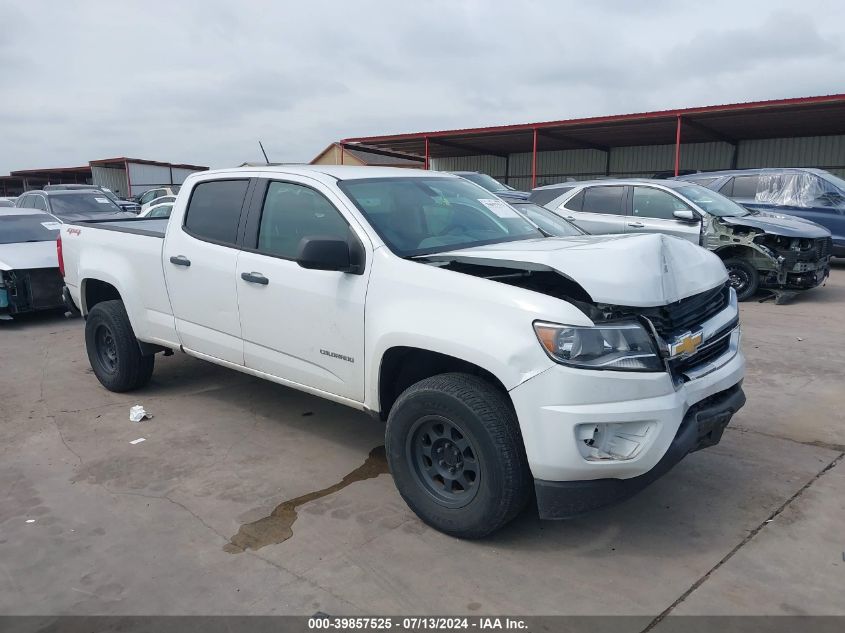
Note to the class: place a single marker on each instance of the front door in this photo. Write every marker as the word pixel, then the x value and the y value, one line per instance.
pixel 300 325
pixel 653 211
pixel 200 258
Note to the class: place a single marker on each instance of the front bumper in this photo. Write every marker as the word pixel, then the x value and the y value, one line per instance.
pixel 702 426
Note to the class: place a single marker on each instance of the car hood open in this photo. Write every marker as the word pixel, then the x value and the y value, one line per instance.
pixel 779 225
pixel 641 270
pixel 25 255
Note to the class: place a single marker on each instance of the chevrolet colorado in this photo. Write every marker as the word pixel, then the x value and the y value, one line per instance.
pixel 501 359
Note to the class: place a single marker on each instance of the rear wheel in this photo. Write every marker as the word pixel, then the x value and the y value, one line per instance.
pixel 113 349
pixel 456 454
pixel 743 277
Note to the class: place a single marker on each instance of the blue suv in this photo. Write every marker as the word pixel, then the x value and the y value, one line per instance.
pixel 811 194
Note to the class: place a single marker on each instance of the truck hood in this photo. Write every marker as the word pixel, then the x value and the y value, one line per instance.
pixel 28 255
pixel 779 225
pixel 640 270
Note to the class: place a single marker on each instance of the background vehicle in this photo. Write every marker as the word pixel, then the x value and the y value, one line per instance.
pixel 811 194
pixel 157 211
pixel 491 184
pixel 550 223
pixel 758 251
pixel 29 269
pixel 151 194
pixel 499 358
pixel 158 201
pixel 7 202
pixel 126 205
pixel 71 205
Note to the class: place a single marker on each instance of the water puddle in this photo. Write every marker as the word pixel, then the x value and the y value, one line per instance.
pixel 278 527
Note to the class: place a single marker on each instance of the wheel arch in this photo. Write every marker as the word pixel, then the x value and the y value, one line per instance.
pixel 401 366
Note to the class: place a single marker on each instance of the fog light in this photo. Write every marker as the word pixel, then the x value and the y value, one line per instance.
pixel 612 441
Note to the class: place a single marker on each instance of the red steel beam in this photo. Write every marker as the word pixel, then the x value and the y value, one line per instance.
pixel 678 145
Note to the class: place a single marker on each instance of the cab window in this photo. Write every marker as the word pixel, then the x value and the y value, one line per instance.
pixel 214 210
pixel 292 212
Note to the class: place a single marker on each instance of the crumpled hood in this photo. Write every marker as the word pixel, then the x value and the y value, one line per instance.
pixel 28 255
pixel 779 225
pixel 640 270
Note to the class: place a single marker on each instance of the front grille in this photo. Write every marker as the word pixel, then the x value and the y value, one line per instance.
pixel 35 289
pixel 708 352
pixel 687 314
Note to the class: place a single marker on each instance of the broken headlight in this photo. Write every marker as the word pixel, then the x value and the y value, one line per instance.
pixel 621 346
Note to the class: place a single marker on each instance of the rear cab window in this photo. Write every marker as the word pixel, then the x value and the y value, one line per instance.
pixel 214 210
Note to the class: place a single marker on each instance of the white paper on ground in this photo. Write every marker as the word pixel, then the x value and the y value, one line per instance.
pixel 138 441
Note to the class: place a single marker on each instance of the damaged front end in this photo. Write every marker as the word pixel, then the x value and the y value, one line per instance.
pixel 787 258
pixel 29 290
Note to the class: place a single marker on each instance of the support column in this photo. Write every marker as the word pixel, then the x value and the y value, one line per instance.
pixel 427 155
pixel 534 161
pixel 678 146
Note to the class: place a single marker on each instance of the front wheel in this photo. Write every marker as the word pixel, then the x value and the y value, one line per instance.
pixel 456 454
pixel 113 349
pixel 744 278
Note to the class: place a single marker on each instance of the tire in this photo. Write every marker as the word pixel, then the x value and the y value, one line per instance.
pixel 113 349
pixel 744 278
pixel 479 439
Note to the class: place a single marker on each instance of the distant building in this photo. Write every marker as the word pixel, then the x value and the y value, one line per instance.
pixel 335 154
pixel 799 132
pixel 125 176
pixel 133 176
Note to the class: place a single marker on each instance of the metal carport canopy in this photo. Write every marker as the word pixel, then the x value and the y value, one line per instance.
pixel 805 116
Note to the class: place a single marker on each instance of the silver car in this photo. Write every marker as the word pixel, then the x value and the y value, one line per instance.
pixel 759 250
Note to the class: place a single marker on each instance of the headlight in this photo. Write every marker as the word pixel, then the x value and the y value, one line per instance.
pixel 621 347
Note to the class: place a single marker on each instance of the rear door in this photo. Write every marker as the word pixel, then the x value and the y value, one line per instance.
pixel 300 325
pixel 200 258
pixel 652 211
pixel 598 209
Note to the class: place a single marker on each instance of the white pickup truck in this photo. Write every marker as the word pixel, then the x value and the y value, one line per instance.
pixel 500 358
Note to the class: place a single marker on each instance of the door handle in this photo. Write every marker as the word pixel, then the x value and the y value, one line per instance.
pixel 255 278
pixel 180 260
pixel 569 217
pixel 636 225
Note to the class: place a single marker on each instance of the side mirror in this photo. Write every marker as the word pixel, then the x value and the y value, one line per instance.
pixel 686 215
pixel 328 253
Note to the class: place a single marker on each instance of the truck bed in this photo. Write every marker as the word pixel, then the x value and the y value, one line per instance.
pixel 127 255
pixel 151 227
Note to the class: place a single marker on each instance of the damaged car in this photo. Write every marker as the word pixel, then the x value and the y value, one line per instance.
pixel 501 360
pixel 760 251
pixel 29 268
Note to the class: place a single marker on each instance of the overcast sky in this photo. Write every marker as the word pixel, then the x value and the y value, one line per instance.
pixel 201 82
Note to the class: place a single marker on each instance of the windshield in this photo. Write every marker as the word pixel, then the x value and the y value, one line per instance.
pixel 836 181
pixel 712 202
pixel 550 222
pixel 82 203
pixel 28 228
pixel 420 216
pixel 488 182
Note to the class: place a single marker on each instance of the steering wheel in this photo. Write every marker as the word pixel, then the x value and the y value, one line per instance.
pixel 454 226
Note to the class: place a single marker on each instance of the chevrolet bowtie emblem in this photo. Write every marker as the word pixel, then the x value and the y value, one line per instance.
pixel 686 344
